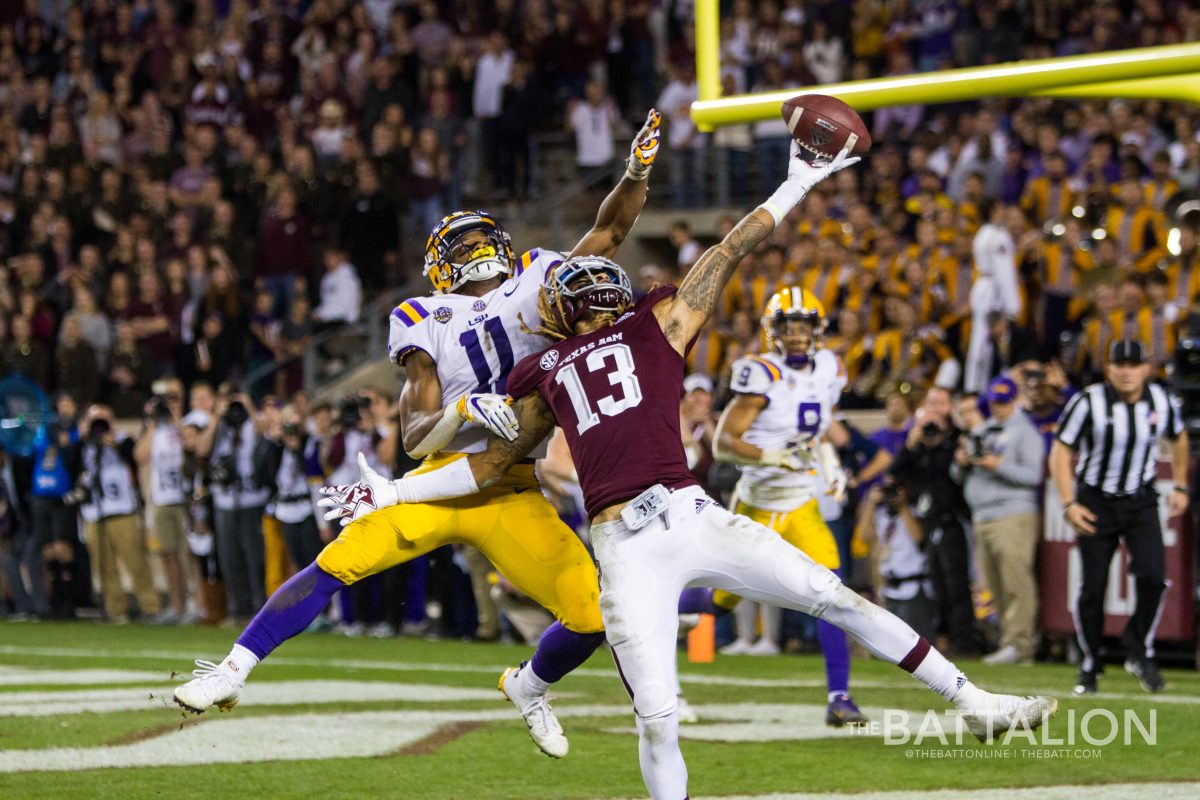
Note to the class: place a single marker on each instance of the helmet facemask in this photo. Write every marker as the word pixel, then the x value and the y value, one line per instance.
pixel 450 261
pixel 796 336
pixel 587 284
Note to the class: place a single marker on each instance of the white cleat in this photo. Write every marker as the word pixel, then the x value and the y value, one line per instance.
pixel 544 729
pixel 217 685
pixel 999 713
pixel 687 715
pixel 738 647
pixel 763 647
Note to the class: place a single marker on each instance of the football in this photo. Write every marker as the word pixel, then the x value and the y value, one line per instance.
pixel 823 125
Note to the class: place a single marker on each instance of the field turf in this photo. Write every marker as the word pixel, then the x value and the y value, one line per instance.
pixel 84 713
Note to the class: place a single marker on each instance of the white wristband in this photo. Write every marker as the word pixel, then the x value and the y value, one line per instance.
pixel 453 480
pixel 786 197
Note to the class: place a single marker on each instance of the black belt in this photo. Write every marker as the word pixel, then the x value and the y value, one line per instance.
pixel 893 582
pixel 1141 492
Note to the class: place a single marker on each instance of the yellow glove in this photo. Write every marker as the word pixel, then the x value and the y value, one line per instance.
pixel 644 149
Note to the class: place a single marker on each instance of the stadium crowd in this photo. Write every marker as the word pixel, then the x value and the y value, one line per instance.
pixel 191 190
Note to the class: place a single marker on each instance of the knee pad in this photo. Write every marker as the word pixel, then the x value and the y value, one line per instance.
pixel 653 701
pixel 579 611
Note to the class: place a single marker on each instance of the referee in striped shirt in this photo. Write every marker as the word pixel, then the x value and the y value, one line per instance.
pixel 1115 426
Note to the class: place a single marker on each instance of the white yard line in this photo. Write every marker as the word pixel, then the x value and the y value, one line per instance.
pixel 901 681
pixel 1109 791
pixel 266 693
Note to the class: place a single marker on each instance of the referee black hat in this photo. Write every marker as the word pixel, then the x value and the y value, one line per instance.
pixel 1126 351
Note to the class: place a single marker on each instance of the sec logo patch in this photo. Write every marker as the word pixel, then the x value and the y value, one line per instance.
pixel 549 359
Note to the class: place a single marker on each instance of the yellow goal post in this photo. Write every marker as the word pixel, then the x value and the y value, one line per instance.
pixel 1166 73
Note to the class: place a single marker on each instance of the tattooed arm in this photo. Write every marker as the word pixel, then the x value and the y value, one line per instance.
pixel 683 314
pixel 536 423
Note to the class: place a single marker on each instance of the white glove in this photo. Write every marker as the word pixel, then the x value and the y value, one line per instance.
pixel 356 500
pixel 492 411
pixel 644 149
pixel 795 455
pixel 802 177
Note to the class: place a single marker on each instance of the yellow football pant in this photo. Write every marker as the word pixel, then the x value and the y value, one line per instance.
pixel 803 529
pixel 511 523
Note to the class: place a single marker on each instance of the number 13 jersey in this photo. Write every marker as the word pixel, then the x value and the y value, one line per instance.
pixel 475 341
pixel 615 392
pixel 800 405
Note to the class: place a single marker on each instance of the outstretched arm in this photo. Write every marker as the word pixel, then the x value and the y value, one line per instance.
pixel 684 314
pixel 457 479
pixel 620 209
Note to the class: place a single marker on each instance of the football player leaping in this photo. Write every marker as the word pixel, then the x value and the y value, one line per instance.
pixel 613 382
pixel 457 348
pixel 783 403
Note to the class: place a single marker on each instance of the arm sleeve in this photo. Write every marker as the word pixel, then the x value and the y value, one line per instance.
pixel 753 375
pixel 1074 417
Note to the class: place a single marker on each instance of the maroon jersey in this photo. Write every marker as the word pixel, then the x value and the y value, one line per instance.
pixel 615 393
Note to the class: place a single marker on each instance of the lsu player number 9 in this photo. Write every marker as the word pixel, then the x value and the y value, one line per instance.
pixel 784 403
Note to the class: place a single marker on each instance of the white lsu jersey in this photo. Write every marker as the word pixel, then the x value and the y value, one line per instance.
pixel 476 341
pixel 800 404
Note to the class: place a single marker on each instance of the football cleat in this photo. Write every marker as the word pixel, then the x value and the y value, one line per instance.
pixel 683 709
pixel 543 726
pixel 1146 671
pixel 999 713
pixel 1085 683
pixel 763 647
pixel 217 685
pixel 842 711
pixel 738 647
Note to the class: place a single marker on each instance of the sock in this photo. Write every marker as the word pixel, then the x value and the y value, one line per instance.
pixel 835 646
pixel 289 611
pixel 746 614
pixel 699 600
pixel 560 650
pixel 772 620
pixel 241 660
pixel 931 668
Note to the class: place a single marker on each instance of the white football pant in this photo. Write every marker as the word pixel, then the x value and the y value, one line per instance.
pixel 642 573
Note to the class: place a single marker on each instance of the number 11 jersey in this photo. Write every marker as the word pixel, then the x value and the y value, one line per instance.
pixel 475 341
pixel 615 392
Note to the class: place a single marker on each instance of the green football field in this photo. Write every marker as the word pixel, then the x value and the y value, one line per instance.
pixel 85 712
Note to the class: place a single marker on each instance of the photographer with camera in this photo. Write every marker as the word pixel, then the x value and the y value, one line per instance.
pixel 288 462
pixel 355 432
pixel 101 468
pixel 238 503
pixel 887 518
pixel 159 455
pixel 1003 463
pixel 923 466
